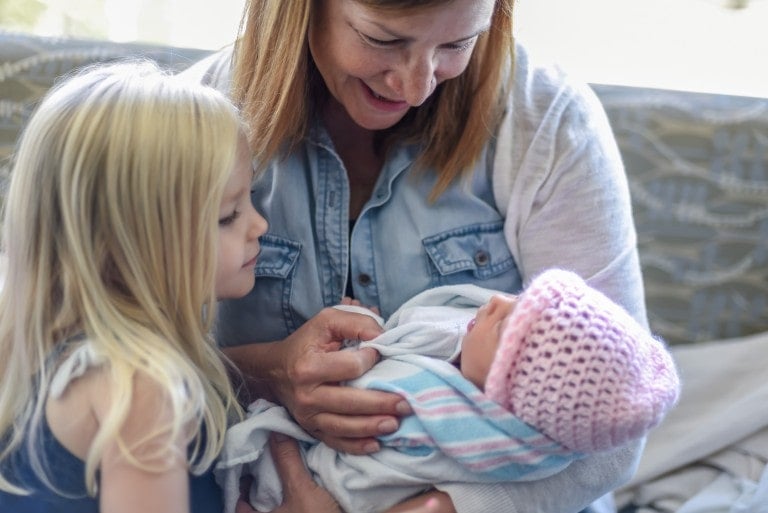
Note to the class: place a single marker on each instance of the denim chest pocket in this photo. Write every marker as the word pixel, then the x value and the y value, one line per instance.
pixel 265 314
pixel 275 271
pixel 475 253
pixel 277 258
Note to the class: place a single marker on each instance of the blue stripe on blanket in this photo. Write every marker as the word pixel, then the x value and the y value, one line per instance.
pixel 455 417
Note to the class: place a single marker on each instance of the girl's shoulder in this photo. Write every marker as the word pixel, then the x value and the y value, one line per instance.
pixel 78 390
pixel 85 388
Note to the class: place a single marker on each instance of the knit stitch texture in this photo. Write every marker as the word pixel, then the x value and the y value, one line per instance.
pixel 579 368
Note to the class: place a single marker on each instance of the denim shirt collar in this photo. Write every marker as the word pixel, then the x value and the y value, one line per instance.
pixel 399 158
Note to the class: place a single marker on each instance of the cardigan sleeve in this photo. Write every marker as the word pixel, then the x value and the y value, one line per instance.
pixel 568 491
pixel 559 179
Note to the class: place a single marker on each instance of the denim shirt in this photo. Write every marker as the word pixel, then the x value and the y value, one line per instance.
pixel 401 244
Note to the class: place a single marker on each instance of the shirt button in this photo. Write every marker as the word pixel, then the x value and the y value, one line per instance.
pixel 364 279
pixel 482 257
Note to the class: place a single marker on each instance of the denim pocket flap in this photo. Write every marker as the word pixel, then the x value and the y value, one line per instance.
pixel 277 258
pixel 478 248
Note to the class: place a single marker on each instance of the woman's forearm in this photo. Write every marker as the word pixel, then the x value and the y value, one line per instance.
pixel 257 366
pixel 442 503
pixel 572 489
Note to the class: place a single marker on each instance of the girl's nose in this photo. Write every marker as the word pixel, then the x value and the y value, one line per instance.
pixel 258 226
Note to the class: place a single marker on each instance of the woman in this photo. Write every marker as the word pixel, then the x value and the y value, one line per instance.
pixel 404 145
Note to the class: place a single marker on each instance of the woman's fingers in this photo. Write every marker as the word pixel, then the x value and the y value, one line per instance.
pixel 316 367
pixel 313 377
pixel 300 493
pixel 345 418
pixel 290 466
pixel 341 325
pixel 243 507
pixel 345 400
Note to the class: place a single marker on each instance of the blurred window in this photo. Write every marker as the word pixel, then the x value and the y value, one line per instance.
pixel 701 45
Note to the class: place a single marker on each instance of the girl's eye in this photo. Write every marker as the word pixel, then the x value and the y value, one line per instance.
pixel 226 221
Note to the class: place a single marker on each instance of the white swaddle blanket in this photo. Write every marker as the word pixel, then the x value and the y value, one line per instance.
pixel 455 435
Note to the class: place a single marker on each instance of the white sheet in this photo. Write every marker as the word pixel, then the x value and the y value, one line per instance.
pixel 713 447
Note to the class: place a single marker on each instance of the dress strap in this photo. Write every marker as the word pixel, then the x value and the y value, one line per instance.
pixel 74 365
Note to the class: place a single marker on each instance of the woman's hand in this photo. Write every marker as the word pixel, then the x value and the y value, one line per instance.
pixel 345 418
pixel 303 373
pixel 301 494
pixel 432 501
pixel 346 300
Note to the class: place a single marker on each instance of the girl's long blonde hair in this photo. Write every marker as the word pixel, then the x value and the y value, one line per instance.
pixel 275 83
pixel 110 231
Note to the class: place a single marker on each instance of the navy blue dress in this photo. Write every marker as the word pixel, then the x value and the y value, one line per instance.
pixel 70 496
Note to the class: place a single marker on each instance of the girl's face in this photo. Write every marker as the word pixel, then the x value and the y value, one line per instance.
pixel 378 65
pixel 240 227
pixel 479 345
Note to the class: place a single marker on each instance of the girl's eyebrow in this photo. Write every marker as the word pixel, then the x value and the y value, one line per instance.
pixel 395 35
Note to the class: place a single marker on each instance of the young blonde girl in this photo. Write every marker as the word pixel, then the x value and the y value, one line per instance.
pixel 128 214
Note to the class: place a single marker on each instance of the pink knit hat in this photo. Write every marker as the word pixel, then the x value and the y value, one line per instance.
pixel 575 366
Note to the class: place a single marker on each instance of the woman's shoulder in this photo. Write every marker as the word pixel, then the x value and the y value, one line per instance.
pixel 541 85
pixel 214 70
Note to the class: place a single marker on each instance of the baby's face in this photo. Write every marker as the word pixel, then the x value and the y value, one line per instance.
pixel 479 345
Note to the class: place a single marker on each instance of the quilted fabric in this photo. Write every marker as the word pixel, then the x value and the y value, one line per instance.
pixel 698 171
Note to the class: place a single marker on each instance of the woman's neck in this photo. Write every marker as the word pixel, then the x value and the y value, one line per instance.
pixel 355 146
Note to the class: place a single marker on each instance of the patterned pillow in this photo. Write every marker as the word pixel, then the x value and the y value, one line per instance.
pixel 698 172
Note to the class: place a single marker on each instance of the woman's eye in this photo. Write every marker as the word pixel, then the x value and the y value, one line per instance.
pixel 226 221
pixel 377 42
pixel 462 46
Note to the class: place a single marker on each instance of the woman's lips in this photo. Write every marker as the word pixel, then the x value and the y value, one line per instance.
pixel 383 103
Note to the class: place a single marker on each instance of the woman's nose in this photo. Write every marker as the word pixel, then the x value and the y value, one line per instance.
pixel 415 80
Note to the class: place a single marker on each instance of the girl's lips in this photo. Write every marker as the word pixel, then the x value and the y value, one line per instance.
pixel 251 262
pixel 471 324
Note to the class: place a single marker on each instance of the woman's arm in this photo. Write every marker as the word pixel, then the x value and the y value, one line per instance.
pixel 303 373
pixel 559 177
pixel 567 205
pixel 301 494
pixel 573 489
pixel 436 501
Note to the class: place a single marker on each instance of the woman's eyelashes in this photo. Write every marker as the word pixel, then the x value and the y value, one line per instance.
pixel 226 221
pixel 458 46
pixel 378 43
